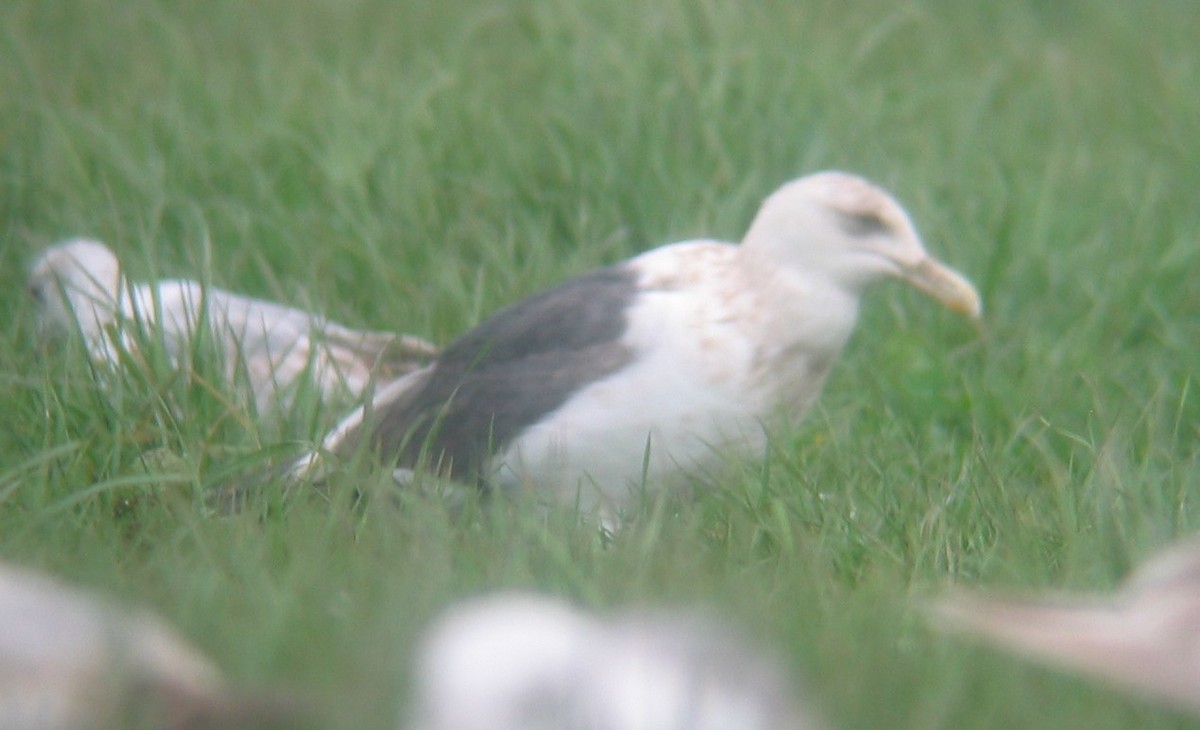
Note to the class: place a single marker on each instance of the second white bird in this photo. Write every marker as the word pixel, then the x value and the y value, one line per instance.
pixel 79 285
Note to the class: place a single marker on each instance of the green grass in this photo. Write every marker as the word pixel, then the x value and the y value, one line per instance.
pixel 415 168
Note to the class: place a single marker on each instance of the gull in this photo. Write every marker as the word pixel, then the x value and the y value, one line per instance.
pixel 518 661
pixel 70 661
pixel 613 382
pixel 79 285
pixel 1142 639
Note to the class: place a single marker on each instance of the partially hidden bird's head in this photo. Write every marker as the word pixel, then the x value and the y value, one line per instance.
pixel 842 226
pixel 76 284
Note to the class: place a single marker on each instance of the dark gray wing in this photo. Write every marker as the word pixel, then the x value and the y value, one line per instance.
pixel 506 374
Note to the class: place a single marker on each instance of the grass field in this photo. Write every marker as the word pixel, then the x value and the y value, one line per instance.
pixel 414 166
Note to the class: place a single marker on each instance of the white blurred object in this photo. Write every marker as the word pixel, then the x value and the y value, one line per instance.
pixel 71 662
pixel 78 284
pixel 526 662
pixel 1145 638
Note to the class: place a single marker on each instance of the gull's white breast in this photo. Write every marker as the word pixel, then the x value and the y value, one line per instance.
pixel 716 345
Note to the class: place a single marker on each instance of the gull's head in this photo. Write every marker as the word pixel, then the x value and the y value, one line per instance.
pixel 844 227
pixel 75 284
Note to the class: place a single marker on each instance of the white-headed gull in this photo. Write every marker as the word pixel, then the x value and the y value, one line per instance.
pixel 611 381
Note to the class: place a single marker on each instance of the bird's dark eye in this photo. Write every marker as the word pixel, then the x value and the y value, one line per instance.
pixel 862 225
pixel 35 292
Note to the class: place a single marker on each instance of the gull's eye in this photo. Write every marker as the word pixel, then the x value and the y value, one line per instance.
pixel 36 293
pixel 862 225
